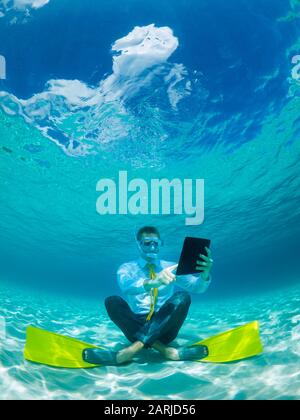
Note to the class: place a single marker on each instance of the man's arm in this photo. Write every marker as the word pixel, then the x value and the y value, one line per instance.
pixel 151 284
pixel 164 278
pixel 129 283
pixel 193 284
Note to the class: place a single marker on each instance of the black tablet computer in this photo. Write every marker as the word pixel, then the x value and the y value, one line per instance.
pixel 192 247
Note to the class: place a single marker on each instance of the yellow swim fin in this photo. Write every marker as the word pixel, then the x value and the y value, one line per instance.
pixel 231 346
pixel 55 350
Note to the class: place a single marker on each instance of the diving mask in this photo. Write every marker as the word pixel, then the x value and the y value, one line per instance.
pixel 150 246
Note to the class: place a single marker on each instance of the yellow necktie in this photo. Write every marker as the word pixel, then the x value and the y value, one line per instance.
pixel 153 292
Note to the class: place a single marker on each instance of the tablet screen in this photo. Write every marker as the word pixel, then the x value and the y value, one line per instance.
pixel 192 247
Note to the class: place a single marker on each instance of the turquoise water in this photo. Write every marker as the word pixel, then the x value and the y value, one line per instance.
pixel 187 89
pixel 275 375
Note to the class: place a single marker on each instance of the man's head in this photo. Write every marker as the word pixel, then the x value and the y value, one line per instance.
pixel 149 242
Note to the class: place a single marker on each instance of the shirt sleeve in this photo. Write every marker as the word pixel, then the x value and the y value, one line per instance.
pixel 193 283
pixel 129 283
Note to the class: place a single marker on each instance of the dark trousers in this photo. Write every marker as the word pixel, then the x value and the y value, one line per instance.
pixel 164 325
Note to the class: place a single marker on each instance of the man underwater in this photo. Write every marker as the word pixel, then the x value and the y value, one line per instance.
pixel 155 311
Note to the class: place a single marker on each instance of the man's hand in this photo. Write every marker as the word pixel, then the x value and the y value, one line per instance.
pixel 164 278
pixel 205 266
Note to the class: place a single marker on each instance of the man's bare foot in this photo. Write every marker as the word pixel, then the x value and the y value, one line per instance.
pixel 169 353
pixel 193 353
pixel 128 353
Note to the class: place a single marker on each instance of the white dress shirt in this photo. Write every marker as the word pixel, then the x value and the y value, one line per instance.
pixel 131 278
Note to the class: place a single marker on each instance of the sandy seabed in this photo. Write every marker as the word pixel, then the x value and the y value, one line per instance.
pixel 274 375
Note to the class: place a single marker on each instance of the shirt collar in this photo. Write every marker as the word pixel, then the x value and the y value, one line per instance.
pixel 143 263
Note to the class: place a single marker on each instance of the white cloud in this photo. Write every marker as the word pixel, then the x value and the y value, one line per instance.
pixel 7 6
pixel 35 4
pixel 142 48
pixel 139 58
pixel 296 68
pixel 75 92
